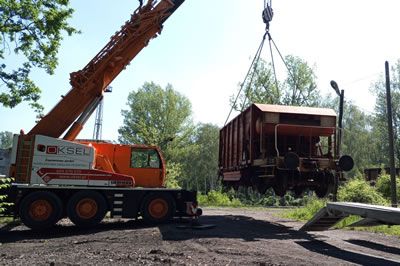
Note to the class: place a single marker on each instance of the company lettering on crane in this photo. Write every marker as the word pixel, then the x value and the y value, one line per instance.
pixel 67 150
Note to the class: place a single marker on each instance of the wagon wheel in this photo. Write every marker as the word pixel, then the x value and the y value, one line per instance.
pixel 158 207
pixel 298 191
pixel 279 190
pixel 321 192
pixel 40 210
pixel 260 184
pixel 326 184
pixel 86 208
pixel 280 184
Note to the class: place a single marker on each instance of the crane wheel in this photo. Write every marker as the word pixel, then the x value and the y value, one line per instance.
pixel 40 210
pixel 86 208
pixel 158 207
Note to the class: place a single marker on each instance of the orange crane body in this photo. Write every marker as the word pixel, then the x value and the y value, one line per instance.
pixel 83 180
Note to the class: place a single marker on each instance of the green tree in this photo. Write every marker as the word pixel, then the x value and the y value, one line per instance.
pixel 299 88
pixel 259 87
pixel 31 34
pixel 201 164
pixel 380 118
pixel 161 117
pixel 5 143
pixel 359 140
pixel 6 139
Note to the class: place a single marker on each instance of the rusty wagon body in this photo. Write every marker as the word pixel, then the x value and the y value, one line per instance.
pixel 283 147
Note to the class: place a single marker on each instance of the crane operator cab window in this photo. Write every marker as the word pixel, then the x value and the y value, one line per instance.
pixel 145 158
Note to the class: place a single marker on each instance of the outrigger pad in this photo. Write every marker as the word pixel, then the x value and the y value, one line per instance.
pixel 196 226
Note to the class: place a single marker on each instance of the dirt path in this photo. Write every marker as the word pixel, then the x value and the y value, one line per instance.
pixel 241 236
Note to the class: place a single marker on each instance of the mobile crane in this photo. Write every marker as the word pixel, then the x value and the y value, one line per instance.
pixel 63 177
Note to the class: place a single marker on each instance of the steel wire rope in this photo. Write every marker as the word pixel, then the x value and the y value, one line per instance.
pixel 267 17
pixel 255 65
pixel 284 62
pixel 256 58
pixel 272 61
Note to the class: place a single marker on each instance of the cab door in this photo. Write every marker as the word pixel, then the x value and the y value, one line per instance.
pixel 147 167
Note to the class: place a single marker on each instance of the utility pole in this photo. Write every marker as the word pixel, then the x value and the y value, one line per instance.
pixel 391 139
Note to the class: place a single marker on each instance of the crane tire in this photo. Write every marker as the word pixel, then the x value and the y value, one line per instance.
pixel 40 210
pixel 86 208
pixel 158 208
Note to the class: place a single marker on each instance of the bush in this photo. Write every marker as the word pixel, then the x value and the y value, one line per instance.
pixel 4 184
pixel 383 186
pixel 358 190
pixel 250 197
pixel 173 171
pixel 308 211
pixel 218 198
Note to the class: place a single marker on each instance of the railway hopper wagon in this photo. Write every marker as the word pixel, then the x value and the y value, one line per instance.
pixel 283 147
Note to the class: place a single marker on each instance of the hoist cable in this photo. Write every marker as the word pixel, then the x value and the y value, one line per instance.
pixel 284 62
pixel 266 2
pixel 272 61
pixel 255 65
pixel 256 58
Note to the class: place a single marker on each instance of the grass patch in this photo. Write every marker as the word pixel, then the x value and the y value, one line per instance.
pixel 393 230
pixel 311 208
pixel 218 199
pixel 6 220
pixel 306 212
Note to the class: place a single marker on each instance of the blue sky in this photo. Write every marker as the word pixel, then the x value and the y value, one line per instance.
pixel 206 48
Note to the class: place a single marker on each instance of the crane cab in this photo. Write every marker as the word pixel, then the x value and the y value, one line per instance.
pixel 144 163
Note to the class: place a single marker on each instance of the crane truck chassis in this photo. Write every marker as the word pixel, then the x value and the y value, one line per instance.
pixel 63 183
pixel 58 177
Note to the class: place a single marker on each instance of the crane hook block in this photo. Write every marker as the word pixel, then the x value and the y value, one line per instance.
pixel 267 14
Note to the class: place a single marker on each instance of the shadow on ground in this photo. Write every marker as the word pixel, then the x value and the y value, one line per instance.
pixel 226 226
pixel 375 246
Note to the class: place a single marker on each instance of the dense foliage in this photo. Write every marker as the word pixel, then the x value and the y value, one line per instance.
pixel 4 184
pixel 31 34
pixel 162 116
pixel 307 211
pixel 383 185
pixel 6 139
pixel 358 190
pixel 250 198
pixel 299 87
pixel 380 116
pixel 200 165
pixel 218 198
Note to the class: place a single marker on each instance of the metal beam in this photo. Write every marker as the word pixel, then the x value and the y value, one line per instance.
pixel 336 211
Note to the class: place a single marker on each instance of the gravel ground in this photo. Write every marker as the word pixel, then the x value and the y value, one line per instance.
pixel 240 236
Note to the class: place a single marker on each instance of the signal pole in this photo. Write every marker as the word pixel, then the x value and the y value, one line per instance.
pixel 391 139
